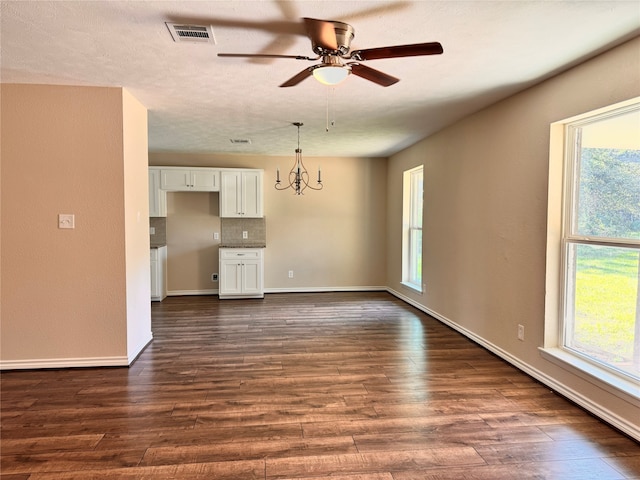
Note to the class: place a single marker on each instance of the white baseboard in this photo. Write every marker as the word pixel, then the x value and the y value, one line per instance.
pixel 37 363
pixel 178 293
pixel 139 349
pixel 598 410
pixel 325 289
pixel 85 362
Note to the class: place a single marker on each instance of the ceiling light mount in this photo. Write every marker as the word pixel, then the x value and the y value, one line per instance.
pixel 298 176
pixel 331 71
pixel 332 37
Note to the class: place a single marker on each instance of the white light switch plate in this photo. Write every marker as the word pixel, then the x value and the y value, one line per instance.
pixel 66 220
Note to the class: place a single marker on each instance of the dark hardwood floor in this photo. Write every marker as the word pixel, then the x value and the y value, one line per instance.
pixel 346 386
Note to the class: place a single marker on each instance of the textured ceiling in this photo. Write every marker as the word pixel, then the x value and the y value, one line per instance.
pixel 198 102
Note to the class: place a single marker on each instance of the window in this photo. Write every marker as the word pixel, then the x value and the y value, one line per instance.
pixel 412 229
pixel 599 249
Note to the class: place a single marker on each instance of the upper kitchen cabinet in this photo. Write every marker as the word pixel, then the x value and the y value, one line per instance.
pixel 157 197
pixel 241 194
pixel 190 180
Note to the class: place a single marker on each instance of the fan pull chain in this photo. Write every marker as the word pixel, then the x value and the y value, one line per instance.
pixel 327 111
pixel 330 98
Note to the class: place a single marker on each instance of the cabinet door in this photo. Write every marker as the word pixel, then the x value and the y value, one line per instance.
pixel 158 266
pixel 155 292
pixel 252 194
pixel 157 197
pixel 252 277
pixel 162 273
pixel 230 277
pixel 205 180
pixel 176 180
pixel 230 187
pixel 154 186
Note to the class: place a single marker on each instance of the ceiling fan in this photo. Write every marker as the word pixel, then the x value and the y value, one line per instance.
pixel 331 41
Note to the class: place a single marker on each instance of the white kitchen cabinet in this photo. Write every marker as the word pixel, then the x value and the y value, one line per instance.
pixel 190 180
pixel 241 273
pixel 241 194
pixel 157 197
pixel 158 273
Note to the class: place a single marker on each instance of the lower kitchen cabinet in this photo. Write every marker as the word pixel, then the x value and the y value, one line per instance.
pixel 241 273
pixel 158 274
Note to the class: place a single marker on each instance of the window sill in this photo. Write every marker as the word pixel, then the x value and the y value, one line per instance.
pixel 619 386
pixel 412 286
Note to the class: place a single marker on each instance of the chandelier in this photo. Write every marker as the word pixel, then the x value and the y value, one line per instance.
pixel 298 176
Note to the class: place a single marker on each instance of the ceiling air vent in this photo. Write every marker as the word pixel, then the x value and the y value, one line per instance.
pixel 191 33
pixel 240 141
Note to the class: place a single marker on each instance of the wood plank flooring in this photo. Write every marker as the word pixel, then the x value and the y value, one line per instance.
pixel 340 386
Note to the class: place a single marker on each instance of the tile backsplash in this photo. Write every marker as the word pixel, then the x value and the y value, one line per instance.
pixel 159 238
pixel 231 232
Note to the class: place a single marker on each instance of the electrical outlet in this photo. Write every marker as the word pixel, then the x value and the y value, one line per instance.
pixel 214 277
pixel 152 230
pixel 290 273
pixel 245 234
pixel 521 332
pixel 216 236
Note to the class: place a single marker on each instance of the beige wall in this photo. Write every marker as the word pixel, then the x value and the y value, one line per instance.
pixel 64 292
pixel 192 253
pixel 485 217
pixel 332 239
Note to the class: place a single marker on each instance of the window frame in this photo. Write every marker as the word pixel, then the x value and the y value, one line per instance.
pixel 562 202
pixel 410 220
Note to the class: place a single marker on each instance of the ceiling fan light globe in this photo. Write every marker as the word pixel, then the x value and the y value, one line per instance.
pixel 331 74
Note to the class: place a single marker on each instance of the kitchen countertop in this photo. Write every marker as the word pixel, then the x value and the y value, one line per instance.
pixel 226 245
pixel 243 245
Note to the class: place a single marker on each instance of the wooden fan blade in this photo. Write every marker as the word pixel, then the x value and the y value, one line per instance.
pixel 414 50
pixel 265 55
pixel 321 33
pixel 372 75
pixel 296 79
